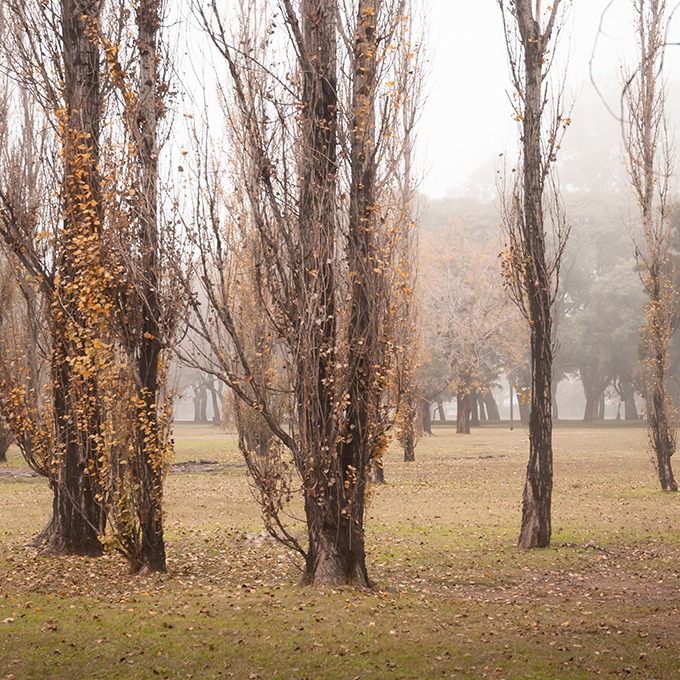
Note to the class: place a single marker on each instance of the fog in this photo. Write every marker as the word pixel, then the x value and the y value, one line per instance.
pixel 467 119
pixel 468 139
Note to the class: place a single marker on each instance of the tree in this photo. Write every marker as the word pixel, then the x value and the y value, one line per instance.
pixel 467 317
pixel 531 272
pixel 312 231
pixel 104 441
pixel 62 442
pixel 648 159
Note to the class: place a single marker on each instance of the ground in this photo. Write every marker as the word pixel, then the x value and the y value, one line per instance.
pixel 455 597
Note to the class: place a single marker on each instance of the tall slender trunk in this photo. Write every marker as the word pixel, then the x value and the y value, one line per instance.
pixel 650 167
pixel 536 505
pixel 77 517
pixel 150 438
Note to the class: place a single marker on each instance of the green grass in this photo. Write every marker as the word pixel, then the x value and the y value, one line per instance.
pixel 456 598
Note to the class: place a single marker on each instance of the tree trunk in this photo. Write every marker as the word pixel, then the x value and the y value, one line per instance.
pixel 590 410
pixel 536 505
pixel 378 472
pixel 463 412
pixel 409 449
pixel 555 409
pixel 77 518
pixel 6 440
pixel 440 411
pixel 150 438
pixel 491 406
pixel 336 555
pixel 202 404
pixel 197 406
pixel 217 411
pixel 426 412
pixel 524 412
pixel 628 398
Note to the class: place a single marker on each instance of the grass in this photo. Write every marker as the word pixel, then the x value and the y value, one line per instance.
pixel 456 598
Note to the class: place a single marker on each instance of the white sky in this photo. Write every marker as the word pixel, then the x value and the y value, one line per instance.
pixel 467 118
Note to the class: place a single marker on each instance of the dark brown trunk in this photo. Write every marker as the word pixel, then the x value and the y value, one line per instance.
pixel 336 554
pixel 463 412
pixel 150 444
pixel 441 412
pixel 662 434
pixel 77 518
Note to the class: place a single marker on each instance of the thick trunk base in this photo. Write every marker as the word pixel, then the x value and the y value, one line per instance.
pixel 336 555
pixel 72 530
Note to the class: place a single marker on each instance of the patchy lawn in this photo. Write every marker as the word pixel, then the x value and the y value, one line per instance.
pixel 455 597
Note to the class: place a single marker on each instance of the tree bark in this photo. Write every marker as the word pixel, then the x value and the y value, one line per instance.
pixel 409 450
pixel 481 408
pixel 441 412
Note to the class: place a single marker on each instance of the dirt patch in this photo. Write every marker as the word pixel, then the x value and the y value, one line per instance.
pixel 203 466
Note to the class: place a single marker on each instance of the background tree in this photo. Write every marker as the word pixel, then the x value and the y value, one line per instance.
pixel 531 271
pixel 469 319
pixel 649 163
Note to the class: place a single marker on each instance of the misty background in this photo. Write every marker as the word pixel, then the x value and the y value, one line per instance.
pixel 467 139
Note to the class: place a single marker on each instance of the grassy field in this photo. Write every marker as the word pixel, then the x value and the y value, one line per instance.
pixel 456 598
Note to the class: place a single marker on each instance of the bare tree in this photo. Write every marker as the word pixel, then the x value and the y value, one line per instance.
pixel 649 158
pixel 531 270
pixel 467 320
pixel 317 223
